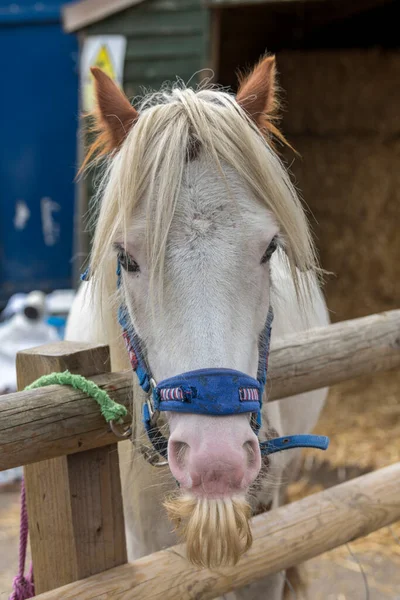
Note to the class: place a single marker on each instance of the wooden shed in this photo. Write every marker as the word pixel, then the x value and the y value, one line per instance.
pixel 165 38
pixel 339 65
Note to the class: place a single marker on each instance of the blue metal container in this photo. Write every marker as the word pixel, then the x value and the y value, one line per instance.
pixel 38 124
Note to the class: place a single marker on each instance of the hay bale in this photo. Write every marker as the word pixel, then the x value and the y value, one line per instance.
pixel 352 187
pixel 362 419
pixel 344 119
pixel 341 91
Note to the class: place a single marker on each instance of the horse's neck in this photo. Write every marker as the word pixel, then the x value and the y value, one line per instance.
pixel 289 316
pixel 297 414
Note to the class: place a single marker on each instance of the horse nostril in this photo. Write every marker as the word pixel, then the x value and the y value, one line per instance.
pixel 179 450
pixel 251 448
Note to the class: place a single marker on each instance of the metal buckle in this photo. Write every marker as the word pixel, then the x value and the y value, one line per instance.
pixel 151 456
pixel 253 423
pixel 153 412
pixel 120 433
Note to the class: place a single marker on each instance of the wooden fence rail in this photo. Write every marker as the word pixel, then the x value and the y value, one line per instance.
pixel 56 421
pixel 282 538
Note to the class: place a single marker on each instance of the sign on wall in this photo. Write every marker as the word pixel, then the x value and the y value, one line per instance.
pixel 106 52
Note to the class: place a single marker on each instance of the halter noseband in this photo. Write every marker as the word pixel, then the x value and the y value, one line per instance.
pixel 215 392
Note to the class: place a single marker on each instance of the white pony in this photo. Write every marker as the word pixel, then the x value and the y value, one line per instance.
pixel 193 202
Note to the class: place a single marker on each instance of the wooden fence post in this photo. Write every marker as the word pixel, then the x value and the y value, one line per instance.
pixel 76 522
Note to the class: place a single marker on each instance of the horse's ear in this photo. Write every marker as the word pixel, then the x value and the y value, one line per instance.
pixel 114 114
pixel 257 91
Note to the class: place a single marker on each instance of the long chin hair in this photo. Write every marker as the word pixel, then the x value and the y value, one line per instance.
pixel 216 531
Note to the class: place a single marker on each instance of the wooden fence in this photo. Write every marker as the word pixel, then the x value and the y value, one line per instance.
pixel 74 492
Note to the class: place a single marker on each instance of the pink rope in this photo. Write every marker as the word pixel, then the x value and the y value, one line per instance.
pixel 23 587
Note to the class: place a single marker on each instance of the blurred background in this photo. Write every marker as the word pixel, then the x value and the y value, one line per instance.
pixel 339 72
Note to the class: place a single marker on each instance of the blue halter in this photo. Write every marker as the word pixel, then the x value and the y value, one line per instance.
pixel 215 392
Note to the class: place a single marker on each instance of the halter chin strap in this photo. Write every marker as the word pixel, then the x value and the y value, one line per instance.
pixel 206 391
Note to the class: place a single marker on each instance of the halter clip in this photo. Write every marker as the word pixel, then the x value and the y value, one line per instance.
pixel 118 432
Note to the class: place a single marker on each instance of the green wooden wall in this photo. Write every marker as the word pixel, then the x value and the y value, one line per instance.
pixel 165 38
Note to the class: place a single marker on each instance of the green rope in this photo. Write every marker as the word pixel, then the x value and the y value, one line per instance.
pixel 111 411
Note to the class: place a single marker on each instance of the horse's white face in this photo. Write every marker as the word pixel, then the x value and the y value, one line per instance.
pixel 215 304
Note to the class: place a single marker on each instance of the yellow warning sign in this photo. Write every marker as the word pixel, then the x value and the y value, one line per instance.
pixel 107 53
pixel 104 62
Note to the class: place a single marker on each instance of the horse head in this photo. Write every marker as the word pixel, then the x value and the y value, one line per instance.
pixel 194 203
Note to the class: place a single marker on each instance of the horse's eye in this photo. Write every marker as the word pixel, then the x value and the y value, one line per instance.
pixel 126 261
pixel 270 250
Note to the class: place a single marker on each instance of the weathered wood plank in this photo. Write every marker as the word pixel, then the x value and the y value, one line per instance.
pixel 328 355
pixel 154 47
pixel 77 357
pixel 96 500
pixel 76 521
pixel 55 421
pixel 151 23
pixel 84 13
pixel 282 538
pixel 139 72
pixel 77 15
pixel 232 3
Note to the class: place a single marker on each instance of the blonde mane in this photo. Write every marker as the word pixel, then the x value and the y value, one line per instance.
pixel 151 164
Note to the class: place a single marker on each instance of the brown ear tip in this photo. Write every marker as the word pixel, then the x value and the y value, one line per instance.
pixel 269 61
pixel 97 73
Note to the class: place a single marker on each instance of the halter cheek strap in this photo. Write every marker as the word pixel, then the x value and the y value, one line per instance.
pixel 214 392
